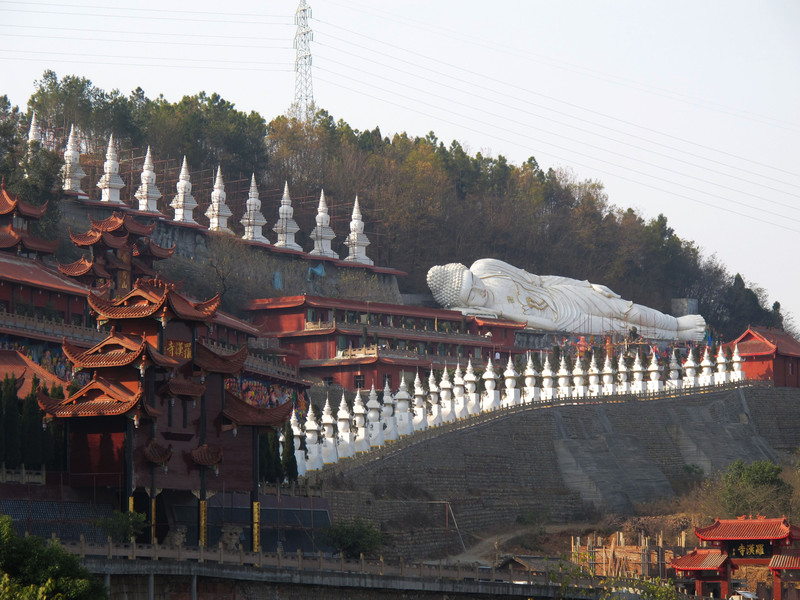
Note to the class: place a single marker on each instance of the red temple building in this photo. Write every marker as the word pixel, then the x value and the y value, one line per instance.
pixel 736 543
pixel 16 225
pixel 357 344
pixel 160 419
pixel 769 354
pixel 121 251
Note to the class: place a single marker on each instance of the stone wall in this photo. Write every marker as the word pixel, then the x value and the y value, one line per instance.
pixel 563 462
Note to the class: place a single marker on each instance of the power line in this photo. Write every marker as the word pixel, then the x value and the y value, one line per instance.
pixel 559 100
pixel 139 42
pixel 623 177
pixel 150 10
pixel 129 64
pixel 158 34
pixel 162 18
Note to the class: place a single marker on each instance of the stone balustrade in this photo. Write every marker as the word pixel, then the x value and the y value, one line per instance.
pixel 458 404
pixel 50 328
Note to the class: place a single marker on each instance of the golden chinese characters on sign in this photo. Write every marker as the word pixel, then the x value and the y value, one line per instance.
pixel 178 349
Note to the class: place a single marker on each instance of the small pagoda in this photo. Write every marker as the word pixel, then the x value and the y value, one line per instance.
pixel 732 543
pixel 16 224
pixel 157 420
pixel 121 250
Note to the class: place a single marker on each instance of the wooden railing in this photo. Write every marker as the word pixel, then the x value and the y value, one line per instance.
pixel 256 364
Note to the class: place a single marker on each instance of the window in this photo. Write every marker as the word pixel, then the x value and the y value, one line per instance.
pixel 358 382
pixel 341 342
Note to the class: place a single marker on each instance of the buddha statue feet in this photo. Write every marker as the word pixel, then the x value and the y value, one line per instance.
pixel 691 328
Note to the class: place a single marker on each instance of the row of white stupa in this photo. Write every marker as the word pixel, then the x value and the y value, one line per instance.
pixel 218 211
pixel 373 425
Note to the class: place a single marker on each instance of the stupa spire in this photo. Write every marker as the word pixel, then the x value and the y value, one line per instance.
pixel 323 233
pixel 71 171
pixel 218 212
pixel 184 203
pixel 148 194
pixel 356 241
pixel 111 183
pixel 252 219
pixel 34 132
pixel 286 226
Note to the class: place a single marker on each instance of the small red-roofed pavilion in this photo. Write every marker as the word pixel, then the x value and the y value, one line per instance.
pixel 733 543
pixel 769 354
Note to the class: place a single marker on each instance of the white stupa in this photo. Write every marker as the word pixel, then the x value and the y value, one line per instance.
pixel 184 203
pixel 252 219
pixel 346 440
pixel 286 226
pixel 111 183
pixel 218 212
pixel 323 233
pixel 148 194
pixel 72 172
pixel 34 132
pixel 356 241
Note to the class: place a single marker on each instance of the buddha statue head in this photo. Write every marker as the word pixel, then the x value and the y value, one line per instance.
pixel 455 285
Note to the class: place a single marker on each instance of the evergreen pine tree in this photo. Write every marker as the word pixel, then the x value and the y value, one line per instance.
pixel 275 469
pixel 289 460
pixel 32 428
pixel 11 422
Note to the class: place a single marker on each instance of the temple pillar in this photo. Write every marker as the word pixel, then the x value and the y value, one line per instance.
pixel 256 505
pixel 153 538
pixel 777 588
pixel 724 586
pixel 698 587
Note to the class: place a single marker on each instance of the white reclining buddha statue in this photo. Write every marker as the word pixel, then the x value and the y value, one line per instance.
pixel 552 303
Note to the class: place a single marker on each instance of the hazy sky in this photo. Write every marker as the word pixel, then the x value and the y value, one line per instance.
pixel 687 108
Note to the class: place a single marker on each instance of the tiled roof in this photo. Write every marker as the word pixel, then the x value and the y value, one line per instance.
pixel 150 248
pixel 24 369
pixel 9 203
pixel 214 362
pixel 85 239
pixel 183 387
pixel 759 528
pixel 111 223
pixel 242 413
pixel 100 397
pixel 156 453
pixel 137 228
pixel 114 309
pixel 765 340
pixel 77 268
pixel 206 455
pixel 787 559
pixel 700 559
pixel 31 272
pixel 114 351
pixel 10 237
pixel 231 322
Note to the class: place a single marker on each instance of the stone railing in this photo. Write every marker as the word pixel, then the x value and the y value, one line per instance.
pixel 560 582
pixel 56 329
pixel 418 437
pixel 22 475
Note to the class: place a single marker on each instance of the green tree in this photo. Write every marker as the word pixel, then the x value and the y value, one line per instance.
pixel 353 538
pixel 288 459
pixel 755 488
pixel 37 569
pixel 270 459
pixel 32 428
pixel 11 422
pixel 122 526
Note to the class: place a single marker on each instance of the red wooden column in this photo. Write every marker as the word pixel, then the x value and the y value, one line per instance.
pixel 776 585
pixel 698 587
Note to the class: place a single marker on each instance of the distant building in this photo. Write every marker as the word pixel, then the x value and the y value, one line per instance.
pixel 358 344
pixel 741 542
pixel 769 354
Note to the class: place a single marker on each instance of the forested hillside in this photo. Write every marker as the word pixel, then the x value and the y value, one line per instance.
pixel 425 201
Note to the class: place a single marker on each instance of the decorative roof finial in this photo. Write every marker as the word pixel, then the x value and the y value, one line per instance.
pixel 322 233
pixel 111 183
pixel 71 171
pixel 286 226
pixel 148 194
pixel 252 219
pixel 356 241
pixel 184 203
pixel 218 212
pixel 34 133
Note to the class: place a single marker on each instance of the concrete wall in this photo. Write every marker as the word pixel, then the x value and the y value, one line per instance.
pixel 562 462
